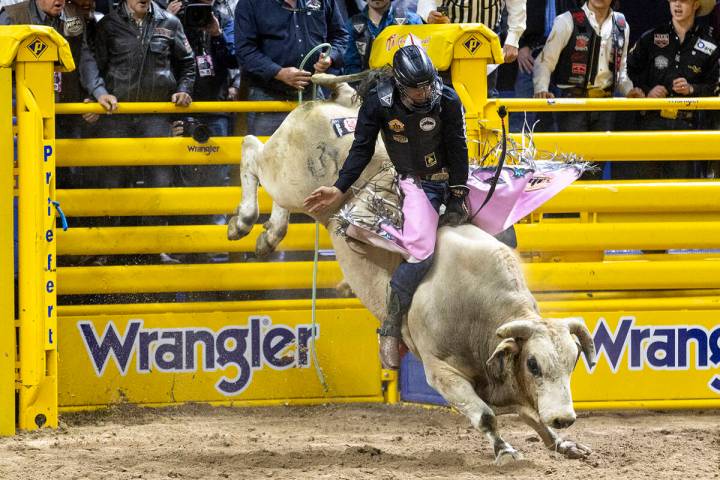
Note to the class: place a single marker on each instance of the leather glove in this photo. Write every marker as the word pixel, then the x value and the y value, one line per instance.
pixel 456 211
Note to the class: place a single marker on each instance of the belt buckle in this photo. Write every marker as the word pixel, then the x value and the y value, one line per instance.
pixel 669 114
pixel 439 177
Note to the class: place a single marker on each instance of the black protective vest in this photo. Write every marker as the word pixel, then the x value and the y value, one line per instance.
pixel 413 140
pixel 578 62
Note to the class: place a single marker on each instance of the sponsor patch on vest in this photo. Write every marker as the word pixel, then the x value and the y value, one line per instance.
pixel 705 47
pixel 396 125
pixel 343 126
pixel 73 26
pixel 359 27
pixel 361 47
pixel 427 124
pixel 163 32
pixel 661 63
pixel 400 138
pixel 430 160
pixel 695 69
pixel 313 4
pixel 581 43
pixel 579 69
pixel 661 40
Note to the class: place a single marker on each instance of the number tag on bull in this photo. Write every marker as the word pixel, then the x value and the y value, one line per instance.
pixel 343 126
pixel 205 65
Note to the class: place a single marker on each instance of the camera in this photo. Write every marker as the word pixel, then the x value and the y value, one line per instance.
pixel 199 131
pixel 195 15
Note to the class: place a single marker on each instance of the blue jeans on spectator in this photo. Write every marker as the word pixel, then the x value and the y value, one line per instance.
pixel 264 123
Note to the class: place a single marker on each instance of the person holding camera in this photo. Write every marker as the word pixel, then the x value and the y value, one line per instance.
pixel 272 37
pixel 209 30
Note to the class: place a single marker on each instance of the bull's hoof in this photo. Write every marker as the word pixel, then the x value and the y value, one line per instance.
pixel 237 230
pixel 506 456
pixel 263 247
pixel 571 449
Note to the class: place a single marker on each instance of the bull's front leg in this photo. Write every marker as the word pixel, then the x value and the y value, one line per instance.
pixel 248 211
pixel 275 230
pixel 459 393
pixel 550 438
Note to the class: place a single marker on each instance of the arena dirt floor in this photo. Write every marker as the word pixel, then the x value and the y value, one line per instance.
pixel 352 442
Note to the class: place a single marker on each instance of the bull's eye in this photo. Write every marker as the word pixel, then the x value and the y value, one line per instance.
pixel 533 366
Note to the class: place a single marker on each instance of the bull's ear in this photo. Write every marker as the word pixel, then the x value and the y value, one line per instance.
pixel 498 361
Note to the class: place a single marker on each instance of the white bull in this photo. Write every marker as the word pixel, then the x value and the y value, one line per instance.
pixel 473 322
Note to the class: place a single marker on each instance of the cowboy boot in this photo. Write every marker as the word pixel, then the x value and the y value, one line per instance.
pixel 390 333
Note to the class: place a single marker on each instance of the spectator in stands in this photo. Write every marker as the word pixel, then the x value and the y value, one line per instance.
pixel 677 59
pixel 271 40
pixel 140 49
pixel 487 12
pixel 212 42
pixel 585 56
pixel 69 86
pixel 365 26
pixel 540 17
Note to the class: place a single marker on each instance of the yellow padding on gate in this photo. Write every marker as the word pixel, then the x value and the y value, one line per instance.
pixel 542 277
pixel 178 239
pixel 538 237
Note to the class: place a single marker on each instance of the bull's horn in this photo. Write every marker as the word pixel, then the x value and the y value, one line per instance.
pixel 328 80
pixel 577 327
pixel 517 329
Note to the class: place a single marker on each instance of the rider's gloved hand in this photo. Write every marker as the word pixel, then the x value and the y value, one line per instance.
pixel 456 210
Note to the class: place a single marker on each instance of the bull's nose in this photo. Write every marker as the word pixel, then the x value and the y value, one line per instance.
pixel 563 422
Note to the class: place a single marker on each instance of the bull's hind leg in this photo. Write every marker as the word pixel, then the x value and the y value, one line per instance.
pixel 275 230
pixel 459 393
pixel 551 439
pixel 247 212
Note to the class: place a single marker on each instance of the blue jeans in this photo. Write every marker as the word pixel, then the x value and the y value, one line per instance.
pixel 264 123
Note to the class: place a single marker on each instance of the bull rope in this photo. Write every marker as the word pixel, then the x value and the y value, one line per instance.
pixel 313 348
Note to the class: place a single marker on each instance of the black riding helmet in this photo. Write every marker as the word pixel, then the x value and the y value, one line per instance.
pixel 412 68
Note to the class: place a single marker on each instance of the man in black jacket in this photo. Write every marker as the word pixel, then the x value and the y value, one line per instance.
pixel 423 127
pixel 140 48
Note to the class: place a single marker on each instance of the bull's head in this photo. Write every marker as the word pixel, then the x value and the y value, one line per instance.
pixel 538 357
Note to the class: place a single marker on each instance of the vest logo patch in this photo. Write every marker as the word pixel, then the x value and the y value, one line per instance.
pixel 37 47
pixel 313 4
pixel 695 69
pixel 661 40
pixel 579 69
pixel 396 125
pixel 430 160
pixel 359 27
pixel 661 63
pixel 472 44
pixel 581 43
pixel 705 47
pixel 400 138
pixel 361 47
pixel 427 124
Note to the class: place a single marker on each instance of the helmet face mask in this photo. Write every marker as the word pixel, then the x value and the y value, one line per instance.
pixel 416 78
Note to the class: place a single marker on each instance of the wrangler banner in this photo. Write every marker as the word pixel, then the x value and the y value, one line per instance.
pixel 224 357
